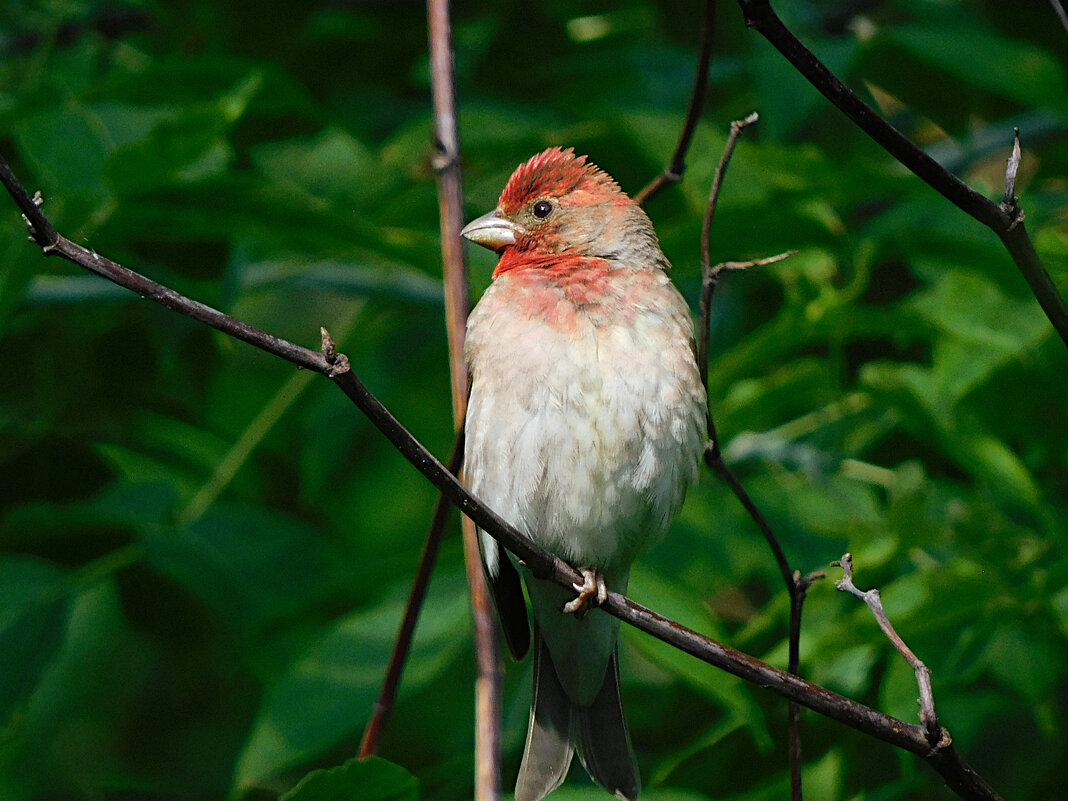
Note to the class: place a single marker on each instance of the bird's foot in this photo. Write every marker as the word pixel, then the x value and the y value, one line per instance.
pixel 591 592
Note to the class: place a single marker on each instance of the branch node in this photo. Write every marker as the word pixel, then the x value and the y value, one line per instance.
pixel 1009 202
pixel 804 582
pixel 442 161
pixel 38 201
pixel 338 362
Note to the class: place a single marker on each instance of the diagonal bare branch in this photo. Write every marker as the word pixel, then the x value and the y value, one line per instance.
pixel 1008 226
pixel 383 709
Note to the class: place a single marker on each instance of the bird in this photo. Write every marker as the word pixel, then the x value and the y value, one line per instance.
pixel 584 428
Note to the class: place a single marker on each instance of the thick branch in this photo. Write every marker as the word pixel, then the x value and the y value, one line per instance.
pixel 1009 227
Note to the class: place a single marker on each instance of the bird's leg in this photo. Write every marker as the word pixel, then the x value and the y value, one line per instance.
pixel 591 592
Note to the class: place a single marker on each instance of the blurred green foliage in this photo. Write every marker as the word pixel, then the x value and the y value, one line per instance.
pixel 203 554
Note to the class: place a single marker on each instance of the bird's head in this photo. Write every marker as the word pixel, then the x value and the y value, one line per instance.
pixel 558 208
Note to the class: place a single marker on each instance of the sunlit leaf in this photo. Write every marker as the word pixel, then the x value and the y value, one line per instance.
pixel 372 779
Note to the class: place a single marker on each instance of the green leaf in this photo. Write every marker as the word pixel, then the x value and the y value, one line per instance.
pixel 328 693
pixel 850 673
pixel 1025 664
pixel 1012 68
pixel 332 164
pixel 250 565
pixel 66 147
pixel 184 148
pixel 373 779
pixel 33 616
pixel 973 309
pixel 995 462
pixel 722 688
pixel 20 262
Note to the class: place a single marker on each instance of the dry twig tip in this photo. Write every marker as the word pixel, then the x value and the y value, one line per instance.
pixel 936 735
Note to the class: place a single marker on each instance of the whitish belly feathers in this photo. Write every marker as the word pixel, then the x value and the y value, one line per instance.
pixel 586 417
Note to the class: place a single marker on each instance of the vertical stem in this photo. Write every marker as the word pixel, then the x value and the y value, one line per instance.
pixel 457 302
pixel 383 710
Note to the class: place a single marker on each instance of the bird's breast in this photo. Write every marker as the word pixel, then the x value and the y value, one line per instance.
pixel 586 411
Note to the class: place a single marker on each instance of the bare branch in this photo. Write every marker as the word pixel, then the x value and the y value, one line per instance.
pixel 41 230
pixel 745 265
pixel 936 735
pixel 1010 228
pixel 1012 167
pixel 672 174
pixel 708 276
pixel 714 457
pixel 457 303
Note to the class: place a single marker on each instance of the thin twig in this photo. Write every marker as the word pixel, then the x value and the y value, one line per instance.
pixel 1010 228
pixel 945 760
pixel 738 266
pixel 936 735
pixel 708 276
pixel 795 585
pixel 1009 201
pixel 376 724
pixel 673 173
pixel 457 303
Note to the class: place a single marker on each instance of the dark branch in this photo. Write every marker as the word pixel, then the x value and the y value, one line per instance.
pixel 708 276
pixel 673 173
pixel 1009 227
pixel 41 230
pixel 795 585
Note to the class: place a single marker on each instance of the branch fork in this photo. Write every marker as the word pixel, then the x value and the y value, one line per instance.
pixel 937 736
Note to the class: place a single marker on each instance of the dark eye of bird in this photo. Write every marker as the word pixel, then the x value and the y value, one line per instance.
pixel 542 209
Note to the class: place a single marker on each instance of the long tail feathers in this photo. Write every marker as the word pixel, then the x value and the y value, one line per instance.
pixel 557 727
pixel 603 741
pixel 547 755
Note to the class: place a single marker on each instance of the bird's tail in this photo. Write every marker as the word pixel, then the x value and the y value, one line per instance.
pixel 558 727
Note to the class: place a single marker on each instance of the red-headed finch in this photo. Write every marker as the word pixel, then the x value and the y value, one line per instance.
pixel 584 428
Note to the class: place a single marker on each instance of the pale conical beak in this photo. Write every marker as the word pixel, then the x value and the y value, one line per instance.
pixel 491 231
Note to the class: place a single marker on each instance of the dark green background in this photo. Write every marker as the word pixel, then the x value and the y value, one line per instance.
pixel 204 552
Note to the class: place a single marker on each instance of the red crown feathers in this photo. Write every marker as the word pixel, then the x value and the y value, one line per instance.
pixel 553 173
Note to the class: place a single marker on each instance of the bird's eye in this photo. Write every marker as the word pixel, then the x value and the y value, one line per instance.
pixel 542 209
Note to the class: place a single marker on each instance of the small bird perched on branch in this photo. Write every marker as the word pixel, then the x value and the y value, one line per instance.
pixel 584 428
